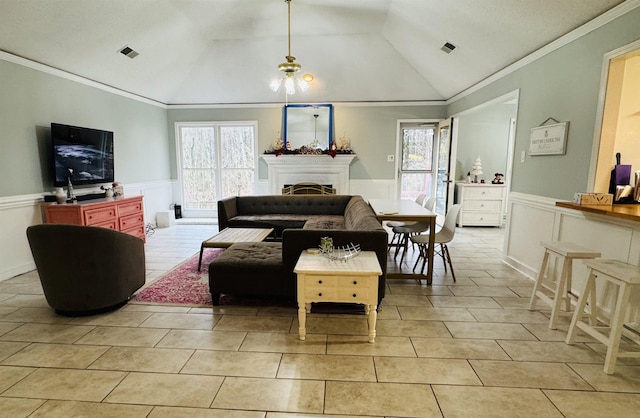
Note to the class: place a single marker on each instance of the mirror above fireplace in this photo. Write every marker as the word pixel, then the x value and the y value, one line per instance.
pixel 308 125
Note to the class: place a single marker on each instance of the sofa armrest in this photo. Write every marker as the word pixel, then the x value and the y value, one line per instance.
pixel 227 209
pixel 294 241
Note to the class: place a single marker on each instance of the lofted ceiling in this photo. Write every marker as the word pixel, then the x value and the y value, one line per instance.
pixel 227 51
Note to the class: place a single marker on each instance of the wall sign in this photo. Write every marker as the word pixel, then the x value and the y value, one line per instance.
pixel 549 139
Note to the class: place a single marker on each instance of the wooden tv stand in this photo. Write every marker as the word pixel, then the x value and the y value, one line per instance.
pixel 124 214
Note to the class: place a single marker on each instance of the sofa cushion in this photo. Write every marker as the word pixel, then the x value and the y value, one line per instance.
pixel 249 268
pixel 296 204
pixel 325 222
pixel 272 220
pixel 358 215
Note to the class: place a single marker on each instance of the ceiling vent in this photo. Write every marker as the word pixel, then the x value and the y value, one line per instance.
pixel 448 47
pixel 129 52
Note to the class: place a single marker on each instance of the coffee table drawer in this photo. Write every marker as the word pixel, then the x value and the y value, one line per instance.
pixel 318 294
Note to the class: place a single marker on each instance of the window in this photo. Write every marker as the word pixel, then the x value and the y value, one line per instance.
pixel 215 160
pixel 416 167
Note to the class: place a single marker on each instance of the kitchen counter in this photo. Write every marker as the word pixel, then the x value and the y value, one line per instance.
pixel 629 212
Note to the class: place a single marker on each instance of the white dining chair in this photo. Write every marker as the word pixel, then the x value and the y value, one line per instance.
pixel 442 237
pixel 395 239
pixel 410 229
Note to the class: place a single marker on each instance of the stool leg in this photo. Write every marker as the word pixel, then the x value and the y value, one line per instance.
pixel 593 303
pixel 616 328
pixel 538 285
pixel 567 287
pixel 582 302
pixel 561 287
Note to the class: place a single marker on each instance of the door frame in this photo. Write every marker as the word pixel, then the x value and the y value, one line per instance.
pixel 452 122
pixel 512 95
pixel 178 191
pixel 398 158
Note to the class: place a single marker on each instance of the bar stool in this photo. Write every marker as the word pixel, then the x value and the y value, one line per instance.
pixel 568 251
pixel 625 277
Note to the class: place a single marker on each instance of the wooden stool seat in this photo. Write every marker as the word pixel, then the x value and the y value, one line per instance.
pixel 625 277
pixel 567 251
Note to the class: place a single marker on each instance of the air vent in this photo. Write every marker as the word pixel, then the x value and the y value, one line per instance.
pixel 448 47
pixel 129 52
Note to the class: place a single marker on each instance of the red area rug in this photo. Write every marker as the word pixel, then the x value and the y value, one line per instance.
pixel 183 285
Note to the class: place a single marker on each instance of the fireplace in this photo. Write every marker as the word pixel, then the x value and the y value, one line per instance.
pixel 321 169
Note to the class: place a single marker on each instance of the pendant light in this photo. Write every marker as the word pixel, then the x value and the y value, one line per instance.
pixel 290 67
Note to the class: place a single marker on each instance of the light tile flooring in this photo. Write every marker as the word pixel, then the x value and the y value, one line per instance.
pixel 464 349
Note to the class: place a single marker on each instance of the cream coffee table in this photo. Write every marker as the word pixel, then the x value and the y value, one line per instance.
pixel 229 236
pixel 323 280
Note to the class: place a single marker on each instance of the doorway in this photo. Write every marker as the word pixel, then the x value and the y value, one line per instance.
pixel 487 132
pixel 417 149
pixel 215 160
pixel 617 116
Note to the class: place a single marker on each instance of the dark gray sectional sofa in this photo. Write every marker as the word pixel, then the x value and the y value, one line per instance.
pixel 299 221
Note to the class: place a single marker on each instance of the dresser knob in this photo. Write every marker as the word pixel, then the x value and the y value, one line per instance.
pixel 319 294
pixel 319 281
pixel 354 295
pixel 355 282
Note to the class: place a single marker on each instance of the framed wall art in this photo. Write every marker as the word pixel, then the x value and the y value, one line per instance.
pixel 549 139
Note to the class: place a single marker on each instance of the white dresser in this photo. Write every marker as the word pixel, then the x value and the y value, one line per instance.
pixel 482 204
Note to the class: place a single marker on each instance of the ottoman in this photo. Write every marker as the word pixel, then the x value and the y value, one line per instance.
pixel 250 269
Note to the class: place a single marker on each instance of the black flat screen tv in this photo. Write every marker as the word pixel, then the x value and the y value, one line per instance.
pixel 82 155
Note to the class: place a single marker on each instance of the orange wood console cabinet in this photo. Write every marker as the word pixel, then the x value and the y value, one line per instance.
pixel 124 214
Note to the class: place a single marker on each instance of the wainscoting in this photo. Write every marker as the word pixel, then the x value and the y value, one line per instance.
pixel 19 212
pixel 532 219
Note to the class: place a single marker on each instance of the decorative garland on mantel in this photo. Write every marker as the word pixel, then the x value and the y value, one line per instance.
pixel 342 146
pixel 304 150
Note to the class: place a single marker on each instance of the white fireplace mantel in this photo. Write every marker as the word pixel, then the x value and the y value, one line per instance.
pixel 322 169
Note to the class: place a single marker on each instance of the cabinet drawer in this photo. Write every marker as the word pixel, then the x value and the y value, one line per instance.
pixel 137 231
pixel 480 218
pixel 320 293
pixel 100 215
pixel 131 221
pixel 483 205
pixel 483 193
pixel 129 208
pixel 109 225
pixel 356 294
pixel 317 280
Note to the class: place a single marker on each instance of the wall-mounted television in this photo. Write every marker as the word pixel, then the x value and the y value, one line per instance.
pixel 83 155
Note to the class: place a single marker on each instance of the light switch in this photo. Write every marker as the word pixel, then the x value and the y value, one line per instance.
pixel 522 156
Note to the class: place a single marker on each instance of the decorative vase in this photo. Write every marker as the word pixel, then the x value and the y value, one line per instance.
pixel 61 196
pixel 109 193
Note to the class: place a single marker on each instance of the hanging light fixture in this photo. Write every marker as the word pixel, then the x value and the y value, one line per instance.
pixel 290 67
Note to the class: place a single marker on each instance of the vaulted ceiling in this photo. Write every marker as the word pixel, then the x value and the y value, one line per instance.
pixel 227 51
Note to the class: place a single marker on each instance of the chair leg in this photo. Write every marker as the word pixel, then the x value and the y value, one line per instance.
pixel 422 248
pixel 442 254
pixel 404 244
pixel 445 249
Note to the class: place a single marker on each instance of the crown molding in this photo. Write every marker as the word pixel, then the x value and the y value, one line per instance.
pixel 34 65
pixel 577 33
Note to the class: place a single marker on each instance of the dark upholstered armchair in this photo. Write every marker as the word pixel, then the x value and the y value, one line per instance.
pixel 86 270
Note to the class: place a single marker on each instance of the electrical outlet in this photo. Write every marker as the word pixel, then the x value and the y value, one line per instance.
pixel 391 158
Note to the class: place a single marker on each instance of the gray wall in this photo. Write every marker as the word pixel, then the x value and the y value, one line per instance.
pixel 564 85
pixel 371 129
pixel 484 133
pixel 30 100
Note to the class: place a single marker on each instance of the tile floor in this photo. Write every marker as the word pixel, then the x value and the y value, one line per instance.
pixel 466 349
